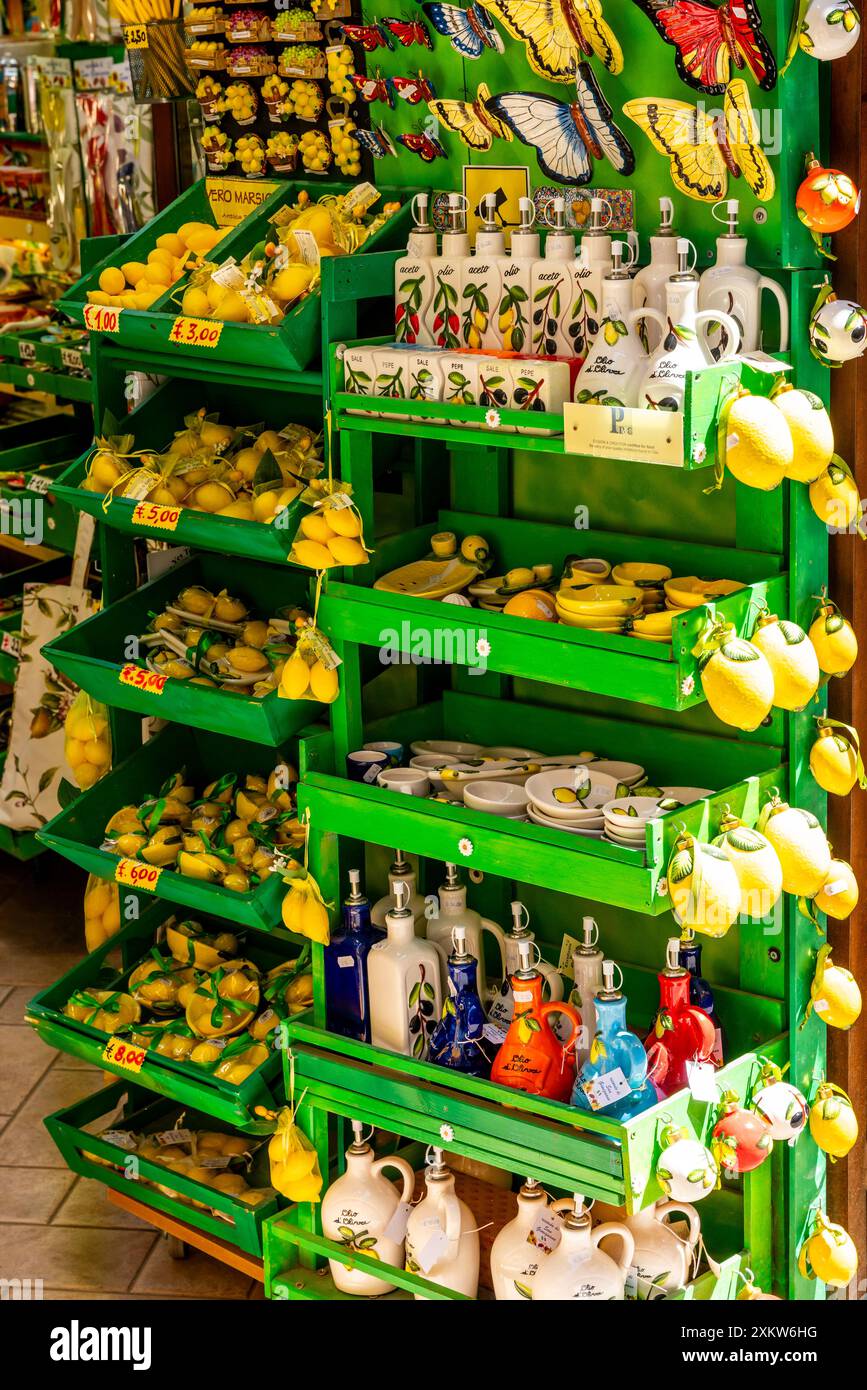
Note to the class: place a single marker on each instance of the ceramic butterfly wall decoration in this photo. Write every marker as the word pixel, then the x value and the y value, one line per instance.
pixel 567 136
pixel 712 38
pixel 469 30
pixel 372 89
pixel 558 34
pixel 376 141
pixel 408 31
pixel 413 89
pixel 471 120
pixel 703 149
pixel 367 36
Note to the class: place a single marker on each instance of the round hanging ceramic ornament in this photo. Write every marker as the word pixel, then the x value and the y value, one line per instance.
pixel 830 29
pixel 686 1170
pixel 827 200
pixel 781 1105
pixel 838 329
pixel 741 1141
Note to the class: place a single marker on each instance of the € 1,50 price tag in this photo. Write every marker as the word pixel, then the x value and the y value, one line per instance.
pixel 122 1053
pixel 145 877
pixel 149 682
pixel 156 516
pixel 199 333
pixel 102 318
pixel 135 36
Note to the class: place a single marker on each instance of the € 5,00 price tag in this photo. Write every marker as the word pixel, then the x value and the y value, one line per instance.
pixel 102 318
pixel 134 874
pixel 122 1053
pixel 159 518
pixel 199 333
pixel 148 682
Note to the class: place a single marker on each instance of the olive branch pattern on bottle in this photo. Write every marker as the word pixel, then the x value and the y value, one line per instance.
pixel 526 395
pixel 546 316
pixel 446 324
pixel 391 386
pixel 512 321
pixel 420 389
pixel 360 1242
pixel 406 310
pixel 602 397
pixel 458 389
pixel 491 391
pixel 476 315
pixel 420 1003
pixel 357 381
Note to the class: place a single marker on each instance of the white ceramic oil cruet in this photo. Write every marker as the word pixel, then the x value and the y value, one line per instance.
pixel 663 1259
pixel 503 1005
pixel 400 871
pixel 525 1242
pixel 736 288
pixel 587 977
pixel 442 1238
pixel 360 1210
pixel 453 912
pixel 578 1271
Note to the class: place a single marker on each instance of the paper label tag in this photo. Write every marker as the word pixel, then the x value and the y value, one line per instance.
pixel 346 962
pixel 523 996
pixel 195 333
pixel 135 36
pixel 821 1006
pixel 363 195
pixel 494 1034
pixel 148 682
pixel 101 318
pixel 568 946
pixel 174 1136
pixel 307 245
pixel 38 484
pixel 839 886
pixel 432 1250
pixel 619 432
pixel 159 518
pixel 121 1138
pixel 229 276
pixel 144 877
pixel 72 359
pixel 214 1161
pixel 124 1054
pixel 701 1081
pixel 606 1089
pixel 630 1285
pixel 10 645
pixel 27 352
pixel 544 1234
pixel 717 1054
pixel 396 1228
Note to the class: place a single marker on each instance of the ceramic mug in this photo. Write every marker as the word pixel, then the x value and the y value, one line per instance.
pixel 366 765
pixel 408 780
pixel 395 752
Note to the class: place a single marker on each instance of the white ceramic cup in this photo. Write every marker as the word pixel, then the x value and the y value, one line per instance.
pixel 408 780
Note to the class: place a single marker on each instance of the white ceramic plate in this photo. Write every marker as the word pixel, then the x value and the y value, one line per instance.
pixel 541 787
pixel 517 755
pixel 627 773
pixel 593 833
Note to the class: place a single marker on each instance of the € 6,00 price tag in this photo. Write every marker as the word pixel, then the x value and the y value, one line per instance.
pixel 149 682
pixel 199 333
pixel 102 318
pixel 156 516
pixel 122 1053
pixel 135 36
pixel 144 877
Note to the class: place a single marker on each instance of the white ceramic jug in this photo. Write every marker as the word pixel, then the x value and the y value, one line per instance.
pixel 525 1242
pixel 578 1271
pixel 357 1210
pixel 442 1242
pixel 663 1260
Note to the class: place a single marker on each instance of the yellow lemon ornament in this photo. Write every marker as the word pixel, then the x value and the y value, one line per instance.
pixel 736 679
pixel 834 993
pixel 811 430
pixel 792 659
pixel 838 896
pixel 828 1254
pixel 835 497
pixel 703 887
pixel 801 846
pixel 833 1122
pixel 759 447
pixel 834 640
pixel 835 759
pixel 755 861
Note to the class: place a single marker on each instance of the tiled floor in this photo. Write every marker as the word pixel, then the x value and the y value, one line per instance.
pixel 55 1226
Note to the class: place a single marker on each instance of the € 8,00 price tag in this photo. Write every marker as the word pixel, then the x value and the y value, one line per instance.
pixel 144 877
pixel 149 682
pixel 159 518
pixel 199 333
pixel 135 36
pixel 102 318
pixel 122 1053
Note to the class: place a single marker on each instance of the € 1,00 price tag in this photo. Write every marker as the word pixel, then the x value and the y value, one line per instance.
pixel 145 877
pixel 156 516
pixel 122 1053
pixel 199 333
pixel 149 682
pixel 102 318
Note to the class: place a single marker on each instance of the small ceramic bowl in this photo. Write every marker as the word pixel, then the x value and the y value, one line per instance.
pixel 592 832
pixel 497 798
pixel 395 752
pixel 432 764
pixel 627 773
pixel 570 794
pixel 404 779
pixel 518 755
pixel 628 813
pixel 686 795
pixel 365 765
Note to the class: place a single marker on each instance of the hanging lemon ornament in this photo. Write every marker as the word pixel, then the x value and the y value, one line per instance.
pixel 834 640
pixel 838 896
pixel 792 659
pixel 811 430
pixel 835 758
pixel 703 887
pixel 737 681
pixel 834 993
pixel 759 451
pixel 756 864
pixel 835 498
pixel 833 1122
pixel 828 1254
pixel 801 846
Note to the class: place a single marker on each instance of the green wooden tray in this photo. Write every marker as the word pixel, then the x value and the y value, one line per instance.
pixel 182 1082
pixel 287 1279
pixel 78 831
pixel 94 653
pixel 92 1157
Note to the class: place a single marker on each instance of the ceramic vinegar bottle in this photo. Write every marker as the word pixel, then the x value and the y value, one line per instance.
pixel 616 1064
pixel 413 281
pixel 594 262
pixel 578 1271
pixel 514 307
pixel 663 385
pixel 681 1032
pixel 358 1210
pixel 587 977
pixel 532 1057
pixel 347 998
pixel 649 285
pixel 403 975
pixel 400 871
pixel 701 995
pixel 735 288
pixel 453 912
pixel 663 1259
pixel 442 1242
pixel 524 1243
pixel 503 1004
pixel 617 361
pixel 557 303
pixel 458 1041
pixel 483 282
pixel 448 271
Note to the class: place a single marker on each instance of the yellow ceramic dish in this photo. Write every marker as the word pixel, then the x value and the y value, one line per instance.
pixel 601 600
pixel 591 624
pixel 692 592
pixel 640 574
pixel 586 571
pixel 429 578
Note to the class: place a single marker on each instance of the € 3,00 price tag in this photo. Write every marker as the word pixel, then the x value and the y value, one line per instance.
pixel 159 518
pixel 134 874
pixel 199 333
pixel 122 1053
pixel 148 682
pixel 102 318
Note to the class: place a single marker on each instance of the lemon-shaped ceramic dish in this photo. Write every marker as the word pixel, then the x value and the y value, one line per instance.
pixel 592 570
pixel 429 578
pixel 191 945
pixel 597 600
pixel 105 1009
pixel 225 1003
pixel 588 624
pixel 692 592
pixel 640 574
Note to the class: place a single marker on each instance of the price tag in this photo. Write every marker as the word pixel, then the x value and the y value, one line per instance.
pixel 10 645
pixel 396 1228
pixel 101 318
pixel 38 484
pixel 195 333
pixel 156 516
pixel 523 996
pixel 545 1231
pixel 27 352
pixel 72 359
pixel 606 1089
pixel 494 1034
pixel 213 1161
pixel 144 877
pixel 700 1079
pixel 121 1138
pixel 148 682
pixel 307 245
pixel 434 1248
pixel 135 36
pixel 122 1053
pixel 174 1136
pixel 568 947
pixel 345 962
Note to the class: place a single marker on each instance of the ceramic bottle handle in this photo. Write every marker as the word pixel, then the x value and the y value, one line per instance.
pixel 574 1018
pixel 727 322
pixel 553 979
pixel 624 1235
pixel 400 1165
pixel 664 1209
pixel 636 315
pixel 499 936
pixel 450 1220
pixel 780 295
pixel 703 1031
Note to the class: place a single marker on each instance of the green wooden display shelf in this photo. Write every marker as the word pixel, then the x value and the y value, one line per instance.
pixel 78 831
pixel 288 347
pixel 33 377
pixel 180 1081
pixel 21 844
pixel 595 869
pixel 94 653
pixel 72 1130
pixel 48 348
pixel 34 485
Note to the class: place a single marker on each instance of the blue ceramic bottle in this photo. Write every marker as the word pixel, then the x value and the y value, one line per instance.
pixel 457 1041
pixel 347 1003
pixel 701 995
pixel 615 1047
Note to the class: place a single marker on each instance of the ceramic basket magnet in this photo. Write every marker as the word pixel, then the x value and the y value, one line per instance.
pixel 539 387
pixel 359 375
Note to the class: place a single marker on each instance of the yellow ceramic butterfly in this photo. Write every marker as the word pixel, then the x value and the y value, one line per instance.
pixel 558 33
pixel 703 148
pixel 471 120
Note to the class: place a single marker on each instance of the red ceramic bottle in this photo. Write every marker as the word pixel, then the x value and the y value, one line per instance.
pixel 681 1033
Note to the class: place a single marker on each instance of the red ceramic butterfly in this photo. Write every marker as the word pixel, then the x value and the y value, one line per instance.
pixel 372 88
pixel 408 32
pixel 710 38
pixel 413 89
pixel 422 145
pixel 369 36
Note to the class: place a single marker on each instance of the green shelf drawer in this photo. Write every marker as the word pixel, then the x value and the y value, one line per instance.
pixel 34 377
pixel 287 1279
pixel 92 1157
pixel 20 844
pixel 78 831
pixel 92 654
pixel 182 1082
pixel 535 1137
